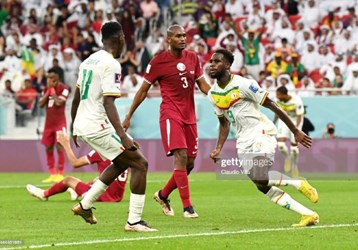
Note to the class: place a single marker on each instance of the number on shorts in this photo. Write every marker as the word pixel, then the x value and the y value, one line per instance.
pixel 231 116
pixel 86 81
pixel 185 84
pixel 123 176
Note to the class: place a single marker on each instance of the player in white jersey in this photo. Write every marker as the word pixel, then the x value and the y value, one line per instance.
pixel 237 101
pixel 96 122
pixel 293 106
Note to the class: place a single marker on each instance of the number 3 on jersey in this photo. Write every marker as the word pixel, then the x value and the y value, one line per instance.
pixel 185 82
pixel 85 84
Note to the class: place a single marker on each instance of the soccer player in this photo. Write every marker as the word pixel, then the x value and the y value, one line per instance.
pixel 236 100
pixel 177 70
pixel 293 106
pixel 114 192
pixel 95 121
pixel 54 98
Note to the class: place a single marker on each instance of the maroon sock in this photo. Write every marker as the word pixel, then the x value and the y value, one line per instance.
pixel 61 162
pixel 169 187
pixel 82 188
pixel 181 179
pixel 51 162
pixel 57 188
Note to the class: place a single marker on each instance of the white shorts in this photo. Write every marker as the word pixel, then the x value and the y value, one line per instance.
pixel 264 146
pixel 106 142
pixel 285 132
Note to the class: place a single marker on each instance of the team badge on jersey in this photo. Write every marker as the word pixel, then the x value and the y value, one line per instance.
pixel 181 66
pixel 117 78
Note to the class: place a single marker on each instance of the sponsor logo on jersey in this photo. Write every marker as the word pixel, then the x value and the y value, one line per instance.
pixel 253 88
pixel 182 73
pixel 117 78
pixel 181 66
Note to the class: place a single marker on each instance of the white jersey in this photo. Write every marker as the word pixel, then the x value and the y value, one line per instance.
pixel 240 103
pixel 293 107
pixel 99 76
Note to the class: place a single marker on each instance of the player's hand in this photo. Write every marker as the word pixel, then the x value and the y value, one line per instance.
pixel 128 144
pixel 303 139
pixel 136 144
pixel 215 154
pixel 126 123
pixel 62 137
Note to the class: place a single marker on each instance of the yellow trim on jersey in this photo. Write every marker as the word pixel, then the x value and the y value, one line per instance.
pixel 264 98
pixel 111 94
pixel 224 100
pixel 287 108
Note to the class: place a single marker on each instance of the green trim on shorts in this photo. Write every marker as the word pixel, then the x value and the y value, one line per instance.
pixel 116 137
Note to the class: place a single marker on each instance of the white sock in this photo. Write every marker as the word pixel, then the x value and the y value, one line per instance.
pixel 93 193
pixel 285 200
pixel 136 205
pixel 283 149
pixel 294 156
pixel 278 179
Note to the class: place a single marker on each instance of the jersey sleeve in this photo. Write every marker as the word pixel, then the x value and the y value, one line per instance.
pixel 251 90
pixel 299 106
pixel 64 93
pixel 111 80
pixel 198 69
pixel 219 112
pixel 151 72
pixel 93 157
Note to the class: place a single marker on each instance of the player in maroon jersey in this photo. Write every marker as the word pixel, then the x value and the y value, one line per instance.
pixel 177 70
pixel 54 98
pixel 114 192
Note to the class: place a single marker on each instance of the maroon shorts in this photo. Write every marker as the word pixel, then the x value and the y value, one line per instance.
pixel 177 135
pixel 49 136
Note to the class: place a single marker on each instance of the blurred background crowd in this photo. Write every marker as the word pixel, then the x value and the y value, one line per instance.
pixel 310 46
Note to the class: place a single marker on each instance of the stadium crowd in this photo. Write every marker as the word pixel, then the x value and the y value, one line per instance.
pixel 309 46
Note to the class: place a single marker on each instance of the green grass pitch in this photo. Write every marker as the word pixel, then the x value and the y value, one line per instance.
pixel 233 215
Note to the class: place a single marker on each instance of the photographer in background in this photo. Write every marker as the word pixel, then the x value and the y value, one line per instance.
pixel 329 133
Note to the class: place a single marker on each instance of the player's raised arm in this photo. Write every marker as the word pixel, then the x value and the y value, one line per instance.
pixel 203 85
pixel 301 137
pixel 138 99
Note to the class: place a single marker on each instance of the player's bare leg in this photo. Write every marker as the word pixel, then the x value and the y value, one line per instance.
pixel 294 160
pixel 139 166
pixel 260 176
pixel 281 143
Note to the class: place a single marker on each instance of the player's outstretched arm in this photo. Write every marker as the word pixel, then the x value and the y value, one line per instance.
pixel 111 110
pixel 224 130
pixel 138 99
pixel 300 137
pixel 203 85
pixel 64 140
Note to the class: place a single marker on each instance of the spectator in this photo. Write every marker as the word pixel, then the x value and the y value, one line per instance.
pixel 238 58
pixel 131 82
pixel 277 66
pixel 339 79
pixel 269 85
pixel 301 44
pixel 201 10
pixel 37 54
pixel 309 57
pixel 345 43
pixel 284 31
pixel 341 62
pixel 218 10
pixel 325 56
pixel 12 64
pixel 295 69
pixel 8 91
pixel 26 96
pixel 269 53
pixel 33 33
pixel 151 14
pixel 310 13
pixel 325 37
pixel 54 52
pixel 208 26
pixel 275 10
pixel 235 8
pixel 71 64
pixel 351 84
pixel 141 57
pixel 251 47
pixel 2 48
pixel 128 60
pixel 128 29
pixel 61 19
pixel 255 17
pixel 307 125
pixel 330 132
pixel 308 88
pixel 285 80
pixel 227 30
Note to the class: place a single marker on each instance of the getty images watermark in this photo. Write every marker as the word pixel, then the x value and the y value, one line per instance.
pixel 11 242
pixel 236 168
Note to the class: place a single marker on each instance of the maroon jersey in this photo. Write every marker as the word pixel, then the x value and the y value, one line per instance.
pixel 115 190
pixel 55 115
pixel 176 77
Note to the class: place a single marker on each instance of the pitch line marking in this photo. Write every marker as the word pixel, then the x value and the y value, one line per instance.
pixel 160 237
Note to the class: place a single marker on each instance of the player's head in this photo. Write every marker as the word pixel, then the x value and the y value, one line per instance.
pixel 220 63
pixel 53 75
pixel 176 37
pixel 282 93
pixel 113 37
